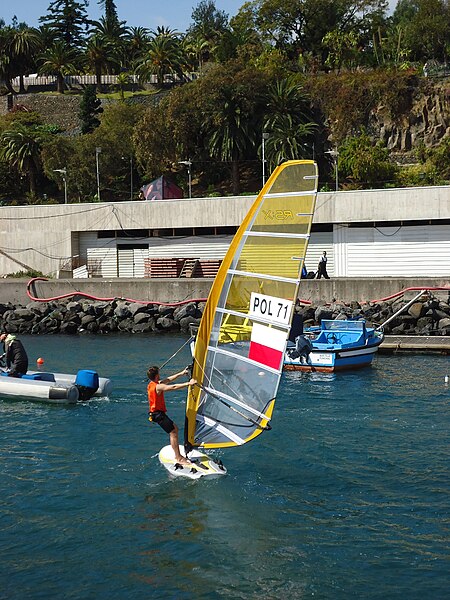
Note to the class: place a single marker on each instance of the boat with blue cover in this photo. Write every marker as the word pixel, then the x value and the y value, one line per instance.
pixel 333 346
pixel 56 388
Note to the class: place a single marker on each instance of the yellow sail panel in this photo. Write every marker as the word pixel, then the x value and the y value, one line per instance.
pixel 240 344
pixel 272 256
pixel 287 214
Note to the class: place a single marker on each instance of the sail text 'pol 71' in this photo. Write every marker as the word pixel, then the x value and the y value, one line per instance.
pixel 239 348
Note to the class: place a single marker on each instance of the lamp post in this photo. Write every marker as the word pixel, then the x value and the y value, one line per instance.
pixel 265 136
pixel 97 152
pixel 334 155
pixel 188 164
pixel 131 177
pixel 64 175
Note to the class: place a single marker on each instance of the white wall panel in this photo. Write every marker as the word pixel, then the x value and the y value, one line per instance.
pixel 189 247
pixel 352 251
pixel 89 239
pixel 126 262
pixel 398 251
pixel 106 258
pixel 318 242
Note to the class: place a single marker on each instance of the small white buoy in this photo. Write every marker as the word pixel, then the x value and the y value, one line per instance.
pixel 446 380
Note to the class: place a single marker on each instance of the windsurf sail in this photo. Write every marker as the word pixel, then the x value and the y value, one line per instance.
pixel 240 344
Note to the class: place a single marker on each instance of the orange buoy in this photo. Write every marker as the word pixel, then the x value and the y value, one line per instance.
pixel 40 361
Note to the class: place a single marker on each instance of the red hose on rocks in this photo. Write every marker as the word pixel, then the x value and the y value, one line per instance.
pixel 413 289
pixel 84 295
pixel 30 283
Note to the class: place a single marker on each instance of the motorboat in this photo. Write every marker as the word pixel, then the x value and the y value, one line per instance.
pixel 335 345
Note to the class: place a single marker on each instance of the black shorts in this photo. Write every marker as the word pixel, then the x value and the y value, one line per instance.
pixel 163 421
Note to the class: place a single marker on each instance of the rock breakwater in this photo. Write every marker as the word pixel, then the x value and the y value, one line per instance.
pixel 427 316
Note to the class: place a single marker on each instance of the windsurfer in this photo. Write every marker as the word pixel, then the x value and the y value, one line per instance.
pixel 157 405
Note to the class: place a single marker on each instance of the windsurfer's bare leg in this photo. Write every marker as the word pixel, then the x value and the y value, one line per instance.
pixel 173 436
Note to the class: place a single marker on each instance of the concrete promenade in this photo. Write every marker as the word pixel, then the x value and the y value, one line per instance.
pixel 415 343
pixel 178 290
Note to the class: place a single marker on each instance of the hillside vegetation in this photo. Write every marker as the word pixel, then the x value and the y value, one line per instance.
pixel 295 80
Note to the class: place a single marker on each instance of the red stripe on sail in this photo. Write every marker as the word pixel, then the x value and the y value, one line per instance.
pixel 265 355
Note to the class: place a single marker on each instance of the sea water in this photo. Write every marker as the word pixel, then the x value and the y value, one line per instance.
pixel 346 497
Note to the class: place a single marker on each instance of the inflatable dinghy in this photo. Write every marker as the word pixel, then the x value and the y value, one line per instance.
pixel 57 388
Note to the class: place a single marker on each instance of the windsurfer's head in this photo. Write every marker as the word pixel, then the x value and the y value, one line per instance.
pixel 153 373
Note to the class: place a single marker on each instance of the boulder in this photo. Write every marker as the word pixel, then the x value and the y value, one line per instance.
pixel 141 318
pixel 185 310
pixel 322 313
pixel 166 324
pixel 165 311
pixel 69 327
pixel 417 310
pixel 86 319
pixel 136 309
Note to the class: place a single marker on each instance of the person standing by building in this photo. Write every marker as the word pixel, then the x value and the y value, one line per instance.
pixel 322 267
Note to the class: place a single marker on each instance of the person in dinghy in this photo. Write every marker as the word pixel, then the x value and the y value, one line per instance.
pixel 15 355
pixel 157 405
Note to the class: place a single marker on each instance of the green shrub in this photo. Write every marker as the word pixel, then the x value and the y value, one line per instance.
pixel 29 274
pixel 364 163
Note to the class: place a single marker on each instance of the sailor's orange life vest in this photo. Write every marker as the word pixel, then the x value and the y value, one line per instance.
pixel 155 401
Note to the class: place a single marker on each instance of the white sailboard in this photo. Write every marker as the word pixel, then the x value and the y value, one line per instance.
pixel 201 465
pixel 241 341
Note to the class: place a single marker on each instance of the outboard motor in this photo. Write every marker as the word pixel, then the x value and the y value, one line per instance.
pixel 87 384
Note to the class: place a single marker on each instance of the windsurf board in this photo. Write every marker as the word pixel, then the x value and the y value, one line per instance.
pixel 201 465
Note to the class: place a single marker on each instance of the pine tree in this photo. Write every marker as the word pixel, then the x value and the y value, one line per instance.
pixel 90 107
pixel 68 20
pixel 111 16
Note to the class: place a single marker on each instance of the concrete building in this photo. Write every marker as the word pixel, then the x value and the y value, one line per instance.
pixel 371 233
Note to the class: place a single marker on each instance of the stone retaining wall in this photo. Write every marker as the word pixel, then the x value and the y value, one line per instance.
pixel 427 316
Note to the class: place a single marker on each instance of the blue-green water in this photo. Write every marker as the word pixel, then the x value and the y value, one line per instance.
pixel 346 497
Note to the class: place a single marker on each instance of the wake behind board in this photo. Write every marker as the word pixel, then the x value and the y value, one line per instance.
pixel 202 464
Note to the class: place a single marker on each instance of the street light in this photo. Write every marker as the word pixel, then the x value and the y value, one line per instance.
pixel 64 175
pixel 334 155
pixel 188 164
pixel 131 177
pixel 97 152
pixel 265 136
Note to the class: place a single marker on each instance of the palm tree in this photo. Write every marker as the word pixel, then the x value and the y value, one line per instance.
pixel 21 147
pixel 137 42
pixel 198 48
pixel 112 33
pixel 98 52
pixel 163 56
pixel 231 133
pixel 287 122
pixel 6 58
pixel 123 79
pixel 25 45
pixel 60 60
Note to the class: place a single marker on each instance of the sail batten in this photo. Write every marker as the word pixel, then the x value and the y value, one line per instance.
pixel 242 315
pixel 269 234
pixel 262 276
pixel 286 194
pixel 240 345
